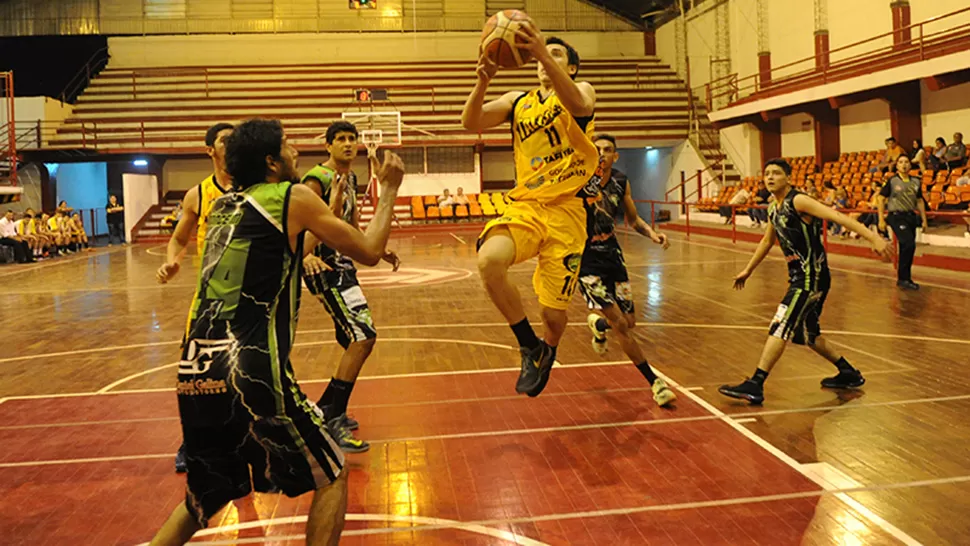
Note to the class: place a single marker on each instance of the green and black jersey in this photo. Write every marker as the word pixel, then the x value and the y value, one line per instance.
pixel 801 241
pixel 243 317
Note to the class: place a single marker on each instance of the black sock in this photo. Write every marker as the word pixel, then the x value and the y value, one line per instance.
pixel 525 334
pixel 602 324
pixel 759 376
pixel 647 371
pixel 844 366
pixel 336 397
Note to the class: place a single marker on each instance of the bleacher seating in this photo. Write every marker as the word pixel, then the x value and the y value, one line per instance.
pixel 169 109
pixel 851 172
pixel 483 206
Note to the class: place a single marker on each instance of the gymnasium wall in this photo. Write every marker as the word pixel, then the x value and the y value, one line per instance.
pixel 797 136
pixel 946 112
pixel 83 186
pixel 254 49
pixel 865 126
pixel 183 17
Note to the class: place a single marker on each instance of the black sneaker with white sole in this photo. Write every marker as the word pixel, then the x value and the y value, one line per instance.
pixel 844 380
pixel 529 377
pixel 748 390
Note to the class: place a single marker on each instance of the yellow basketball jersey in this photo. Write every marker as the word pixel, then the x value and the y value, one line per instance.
pixel 554 152
pixel 209 191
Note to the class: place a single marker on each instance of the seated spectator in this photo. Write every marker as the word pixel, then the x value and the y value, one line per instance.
pixel 78 232
pixel 55 226
pixel 460 197
pixel 445 199
pixel 828 193
pixel 888 163
pixel 918 155
pixel 760 198
pixel 841 201
pixel 169 221
pixel 937 158
pixel 10 238
pixel 963 180
pixel 956 153
pixel 739 198
pixel 67 210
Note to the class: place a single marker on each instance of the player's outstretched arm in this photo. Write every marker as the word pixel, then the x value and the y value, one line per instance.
pixel 639 224
pixel 579 98
pixel 760 253
pixel 806 205
pixel 187 223
pixel 308 212
pixel 477 115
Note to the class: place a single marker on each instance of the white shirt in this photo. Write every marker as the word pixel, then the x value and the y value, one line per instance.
pixel 7 228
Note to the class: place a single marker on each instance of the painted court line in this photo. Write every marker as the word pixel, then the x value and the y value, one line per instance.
pixel 868 514
pixel 713 415
pixel 459 239
pixel 644 325
pixel 424 526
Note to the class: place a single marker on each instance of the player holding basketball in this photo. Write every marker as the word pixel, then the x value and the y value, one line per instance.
pixel 603 278
pixel 795 221
pixel 554 160
pixel 195 209
pixel 332 278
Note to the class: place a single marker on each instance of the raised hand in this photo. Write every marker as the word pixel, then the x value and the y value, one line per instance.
pixel 486 69
pixel 392 171
pixel 532 39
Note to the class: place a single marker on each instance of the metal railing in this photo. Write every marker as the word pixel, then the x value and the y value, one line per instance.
pixel 905 49
pixel 80 81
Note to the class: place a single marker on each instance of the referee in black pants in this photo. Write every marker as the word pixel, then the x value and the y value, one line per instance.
pixel 904 195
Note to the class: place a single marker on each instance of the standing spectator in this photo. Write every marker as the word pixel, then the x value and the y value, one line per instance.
pixel 918 155
pixel 116 220
pixel 956 153
pixel 460 197
pixel 760 198
pixel 9 237
pixel 904 194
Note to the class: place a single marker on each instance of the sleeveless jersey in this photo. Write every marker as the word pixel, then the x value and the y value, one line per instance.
pixel 243 316
pixel 554 156
pixel 601 212
pixel 327 178
pixel 801 243
pixel 209 191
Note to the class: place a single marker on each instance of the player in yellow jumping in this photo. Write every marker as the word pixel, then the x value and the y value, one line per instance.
pixel 196 206
pixel 554 161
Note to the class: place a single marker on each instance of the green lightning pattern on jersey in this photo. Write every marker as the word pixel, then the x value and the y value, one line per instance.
pixel 801 243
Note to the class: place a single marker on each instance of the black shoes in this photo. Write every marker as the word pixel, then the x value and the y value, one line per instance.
pixel 845 380
pixel 748 390
pixel 908 285
pixel 536 366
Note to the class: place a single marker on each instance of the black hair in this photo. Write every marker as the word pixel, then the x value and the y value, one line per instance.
pixel 780 163
pixel 572 56
pixel 342 126
pixel 891 139
pixel 247 148
pixel 606 136
pixel 213 133
pixel 941 139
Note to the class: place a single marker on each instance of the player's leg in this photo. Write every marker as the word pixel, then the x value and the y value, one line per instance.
pixel 327 513
pixel 620 323
pixel 495 256
pixel 788 324
pixel 848 377
pixel 555 280
pixel 504 242
pixel 178 529
pixel 345 303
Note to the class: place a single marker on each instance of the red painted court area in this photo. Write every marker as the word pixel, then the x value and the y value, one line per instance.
pixel 455 459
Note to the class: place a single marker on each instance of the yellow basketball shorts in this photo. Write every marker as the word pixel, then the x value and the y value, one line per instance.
pixel 554 232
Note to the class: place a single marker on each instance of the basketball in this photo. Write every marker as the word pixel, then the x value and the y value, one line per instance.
pixel 499 39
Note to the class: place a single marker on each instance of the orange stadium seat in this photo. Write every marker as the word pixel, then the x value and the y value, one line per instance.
pixel 461 211
pixel 446 211
pixel 433 212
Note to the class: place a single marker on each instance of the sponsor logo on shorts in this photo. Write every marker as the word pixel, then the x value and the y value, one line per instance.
pixel 199 387
pixel 571 262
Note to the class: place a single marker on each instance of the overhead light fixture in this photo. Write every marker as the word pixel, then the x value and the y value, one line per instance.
pixel 140 162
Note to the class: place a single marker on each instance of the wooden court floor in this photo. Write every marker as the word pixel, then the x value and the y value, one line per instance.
pixel 89 426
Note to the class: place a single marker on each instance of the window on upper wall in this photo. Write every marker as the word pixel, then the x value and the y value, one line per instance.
pixel 165 9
